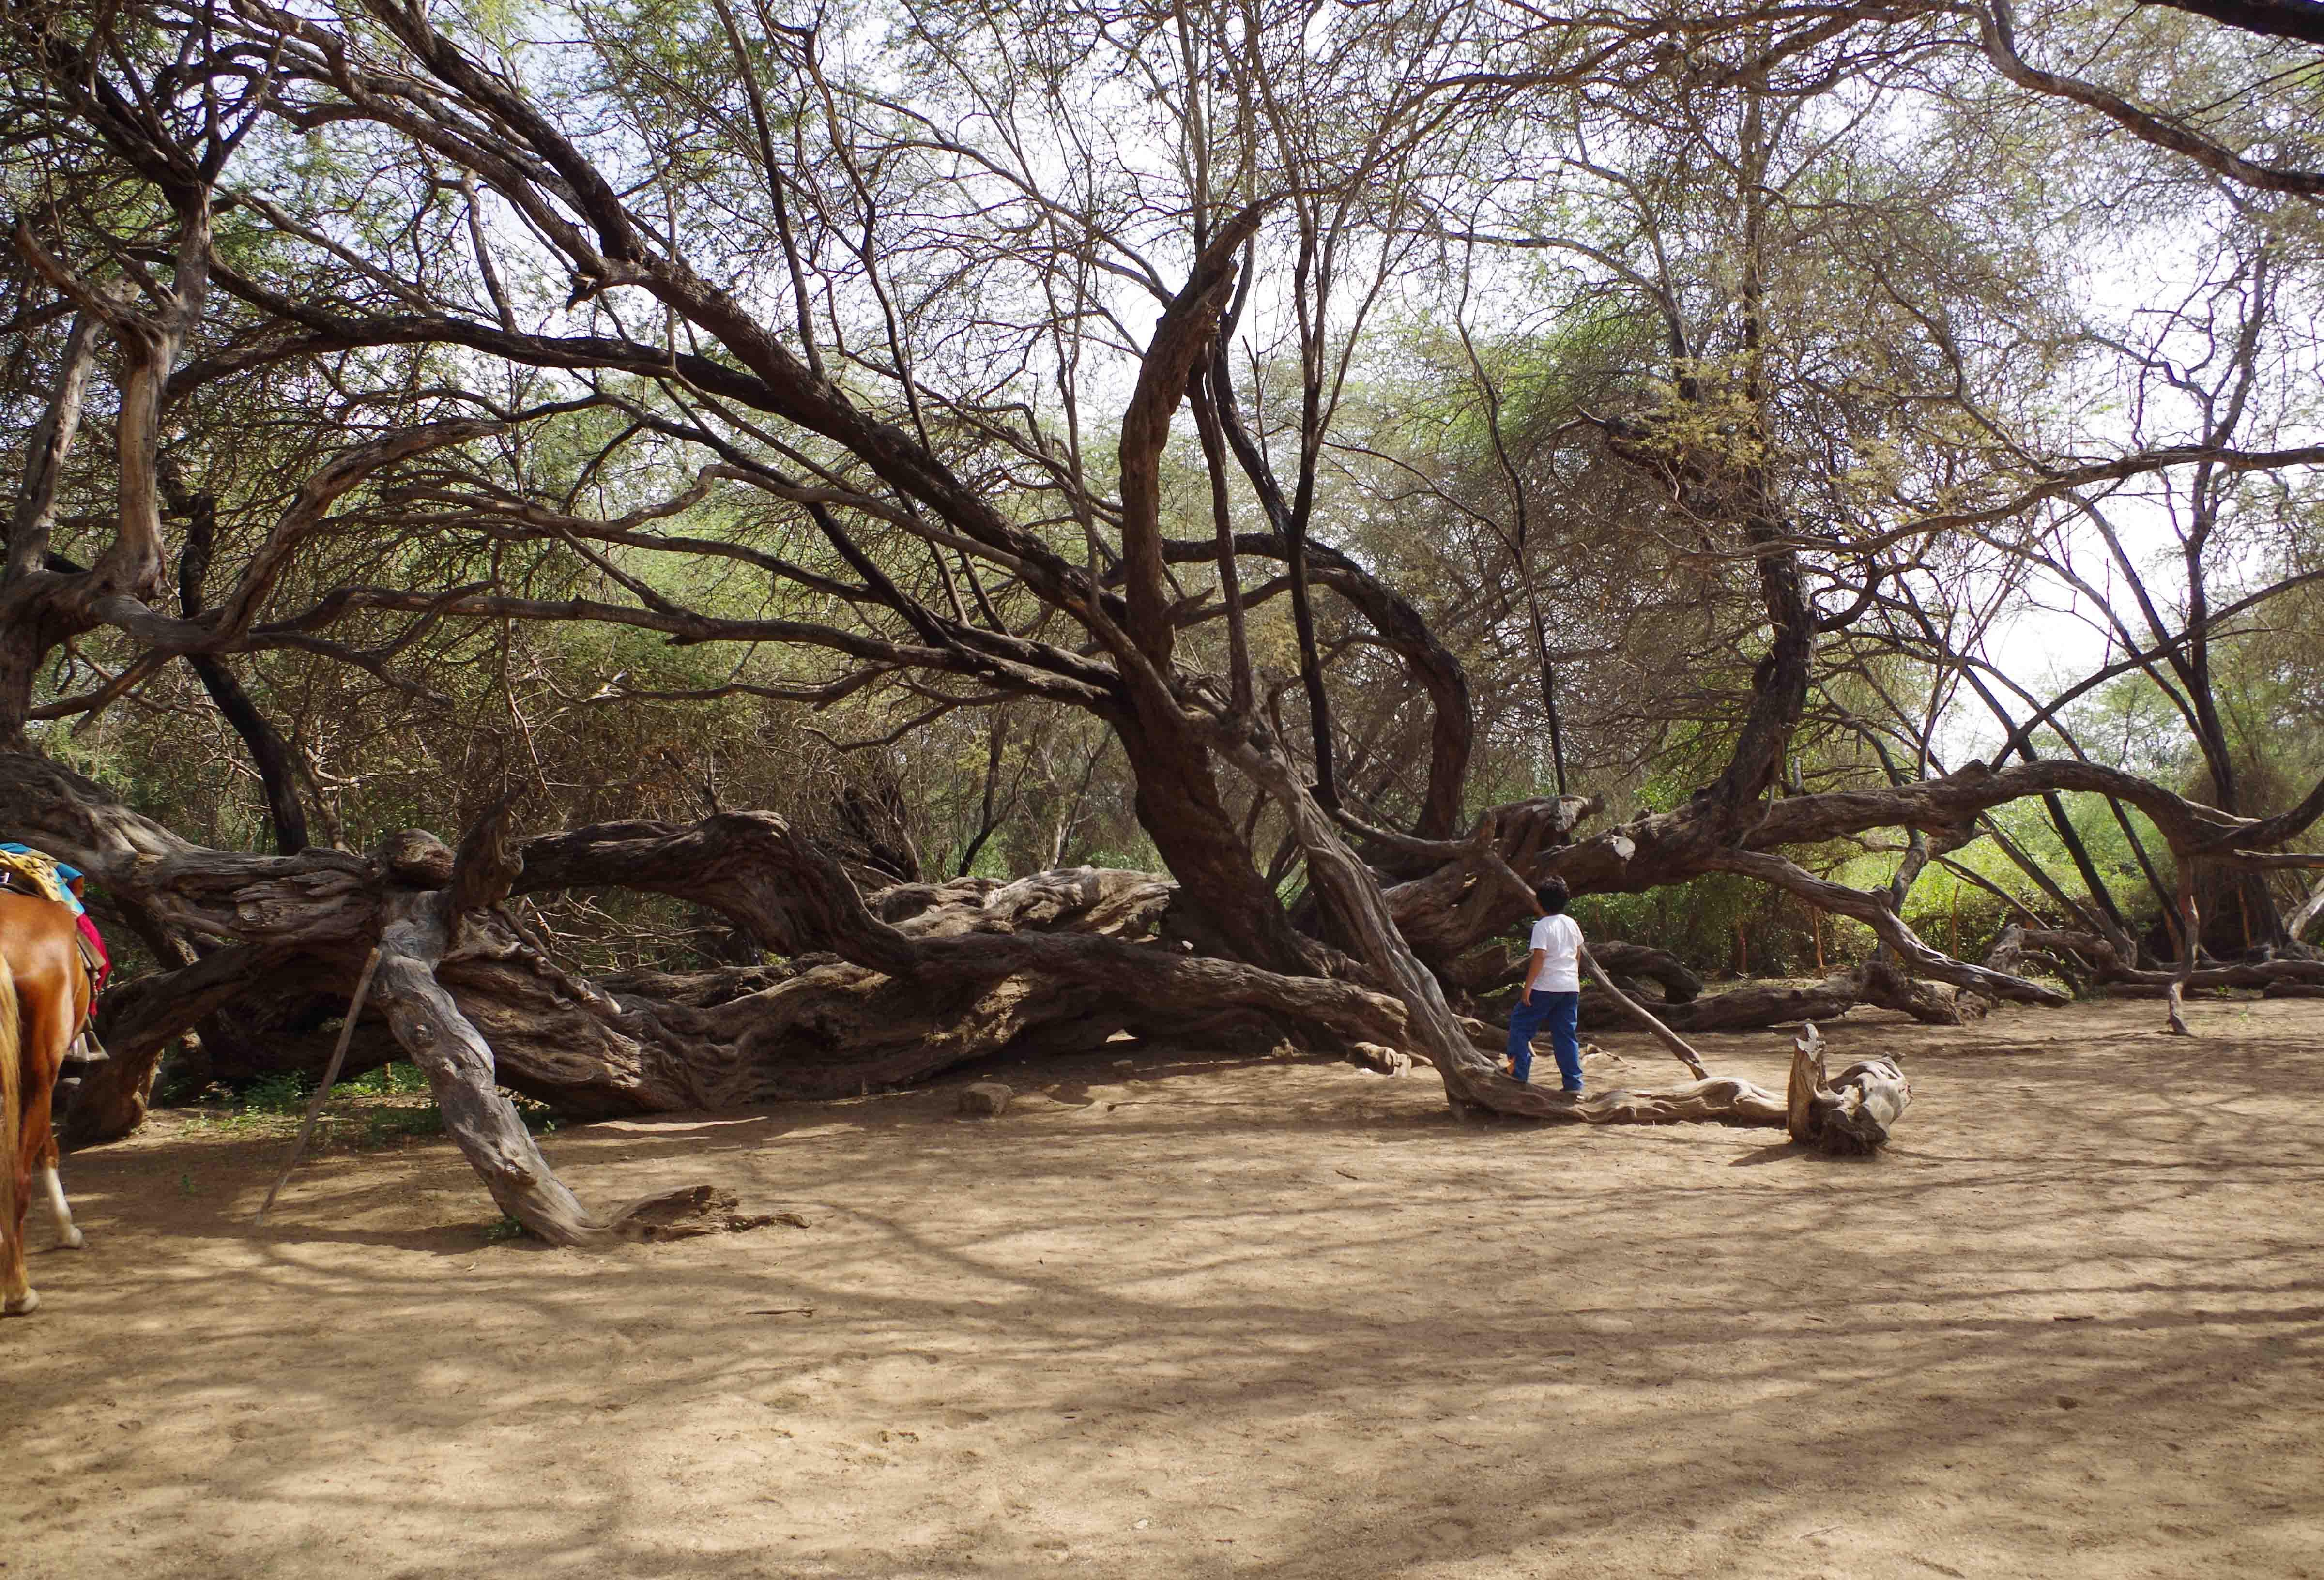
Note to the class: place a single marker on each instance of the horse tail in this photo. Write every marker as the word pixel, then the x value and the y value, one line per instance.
pixel 11 1114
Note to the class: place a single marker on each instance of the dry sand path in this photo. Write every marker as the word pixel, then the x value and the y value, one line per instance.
pixel 1266 1319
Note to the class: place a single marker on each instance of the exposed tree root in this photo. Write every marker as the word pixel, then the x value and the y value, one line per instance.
pixel 1719 1100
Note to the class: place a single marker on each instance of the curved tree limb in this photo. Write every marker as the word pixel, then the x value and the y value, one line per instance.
pixel 1870 909
pixel 1997 32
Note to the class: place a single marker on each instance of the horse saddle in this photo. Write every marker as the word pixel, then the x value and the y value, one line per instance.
pixel 41 877
pixel 29 873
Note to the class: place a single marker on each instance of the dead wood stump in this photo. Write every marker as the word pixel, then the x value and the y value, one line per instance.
pixel 1852 1116
pixel 1374 1056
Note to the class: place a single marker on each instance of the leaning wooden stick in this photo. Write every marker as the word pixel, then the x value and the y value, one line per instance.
pixel 323 1092
pixel 1507 876
pixel 1644 1017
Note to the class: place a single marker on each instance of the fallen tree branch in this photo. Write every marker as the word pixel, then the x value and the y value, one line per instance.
pixel 1870 909
pixel 458 1062
pixel 1640 1013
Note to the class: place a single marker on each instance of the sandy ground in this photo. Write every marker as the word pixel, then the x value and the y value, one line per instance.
pixel 1251 1318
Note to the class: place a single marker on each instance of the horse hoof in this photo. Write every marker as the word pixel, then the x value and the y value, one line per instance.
pixel 73 1240
pixel 23 1305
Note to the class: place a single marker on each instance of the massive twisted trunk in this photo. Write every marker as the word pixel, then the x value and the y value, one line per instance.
pixel 905 1000
pixel 1179 806
pixel 968 976
pixel 304 924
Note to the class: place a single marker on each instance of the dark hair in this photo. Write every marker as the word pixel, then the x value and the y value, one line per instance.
pixel 1552 893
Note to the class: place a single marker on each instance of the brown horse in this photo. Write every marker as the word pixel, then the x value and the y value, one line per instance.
pixel 44 1000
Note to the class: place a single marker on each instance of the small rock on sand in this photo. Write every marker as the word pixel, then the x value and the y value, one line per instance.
pixel 984 1100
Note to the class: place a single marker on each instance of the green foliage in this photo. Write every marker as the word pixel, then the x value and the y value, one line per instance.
pixel 284 1093
pixel 385 1107
pixel 400 1079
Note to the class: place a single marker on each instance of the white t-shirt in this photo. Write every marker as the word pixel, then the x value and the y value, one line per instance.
pixel 1559 938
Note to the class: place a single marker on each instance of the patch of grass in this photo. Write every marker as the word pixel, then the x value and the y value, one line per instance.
pixel 286 1092
pixel 381 1108
pixel 398 1080
pixel 220 1110
pixel 252 1107
pixel 508 1228
pixel 382 1127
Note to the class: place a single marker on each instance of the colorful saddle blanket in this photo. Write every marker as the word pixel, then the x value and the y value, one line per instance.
pixel 26 871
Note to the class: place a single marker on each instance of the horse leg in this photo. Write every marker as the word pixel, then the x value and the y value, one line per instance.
pixel 69 1235
pixel 15 1290
pixel 17 1295
pixel 51 1026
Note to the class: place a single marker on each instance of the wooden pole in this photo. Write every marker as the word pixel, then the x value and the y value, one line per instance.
pixel 1644 1017
pixel 323 1092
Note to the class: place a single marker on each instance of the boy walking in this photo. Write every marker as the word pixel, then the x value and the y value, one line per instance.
pixel 1552 993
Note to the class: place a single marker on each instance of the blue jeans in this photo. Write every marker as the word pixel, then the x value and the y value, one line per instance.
pixel 1525 1020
